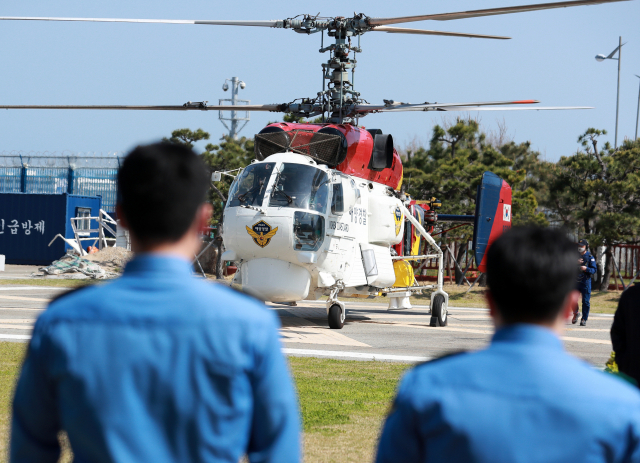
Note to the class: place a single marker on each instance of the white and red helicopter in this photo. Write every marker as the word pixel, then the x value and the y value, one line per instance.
pixel 320 212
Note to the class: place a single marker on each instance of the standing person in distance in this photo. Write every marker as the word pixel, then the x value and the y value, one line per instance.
pixel 515 400
pixel 157 366
pixel 588 267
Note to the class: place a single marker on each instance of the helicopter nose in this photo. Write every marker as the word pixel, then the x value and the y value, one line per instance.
pixel 275 280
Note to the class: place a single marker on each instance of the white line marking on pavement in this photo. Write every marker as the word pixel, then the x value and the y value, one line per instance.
pixel 32 288
pixel 15 336
pixel 592 341
pixel 353 355
pixel 41 309
pixel 15 326
pixel 23 298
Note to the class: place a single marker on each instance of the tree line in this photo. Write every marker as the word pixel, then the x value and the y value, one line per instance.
pixel 594 193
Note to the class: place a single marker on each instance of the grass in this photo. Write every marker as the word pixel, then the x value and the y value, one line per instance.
pixel 343 403
pixel 11 354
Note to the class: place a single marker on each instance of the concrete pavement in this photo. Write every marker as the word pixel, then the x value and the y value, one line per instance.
pixel 370 331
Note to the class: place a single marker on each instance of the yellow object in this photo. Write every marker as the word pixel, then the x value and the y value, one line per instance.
pixel 404 274
pixel 415 246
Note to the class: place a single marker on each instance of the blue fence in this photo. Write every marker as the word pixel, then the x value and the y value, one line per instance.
pixel 88 176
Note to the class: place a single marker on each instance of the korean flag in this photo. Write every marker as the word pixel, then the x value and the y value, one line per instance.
pixel 506 212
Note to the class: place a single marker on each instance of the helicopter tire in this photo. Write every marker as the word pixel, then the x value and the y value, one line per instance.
pixel 439 312
pixel 336 317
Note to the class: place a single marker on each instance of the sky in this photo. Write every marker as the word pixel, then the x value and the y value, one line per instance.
pixel 550 58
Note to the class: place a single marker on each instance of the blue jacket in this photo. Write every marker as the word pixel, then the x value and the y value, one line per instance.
pixel 156 366
pixel 584 279
pixel 523 399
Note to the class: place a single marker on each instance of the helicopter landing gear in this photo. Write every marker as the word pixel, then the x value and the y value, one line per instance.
pixel 336 311
pixel 336 316
pixel 439 309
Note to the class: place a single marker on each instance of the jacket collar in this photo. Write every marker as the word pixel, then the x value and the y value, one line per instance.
pixel 158 263
pixel 527 334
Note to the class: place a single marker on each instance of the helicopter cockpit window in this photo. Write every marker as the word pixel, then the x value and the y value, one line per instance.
pixel 337 200
pixel 300 186
pixel 308 231
pixel 250 186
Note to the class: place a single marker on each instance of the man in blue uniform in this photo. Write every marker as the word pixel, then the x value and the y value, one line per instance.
pixel 588 267
pixel 515 400
pixel 157 366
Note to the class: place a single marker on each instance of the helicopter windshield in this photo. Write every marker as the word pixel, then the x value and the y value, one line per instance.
pixel 250 186
pixel 300 186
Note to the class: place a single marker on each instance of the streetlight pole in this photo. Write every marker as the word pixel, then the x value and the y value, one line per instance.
pixel 610 56
pixel 638 111
pixel 618 97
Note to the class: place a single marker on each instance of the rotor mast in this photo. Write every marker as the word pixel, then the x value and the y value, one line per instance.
pixel 340 98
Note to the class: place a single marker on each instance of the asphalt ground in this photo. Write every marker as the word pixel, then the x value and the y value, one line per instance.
pixel 371 332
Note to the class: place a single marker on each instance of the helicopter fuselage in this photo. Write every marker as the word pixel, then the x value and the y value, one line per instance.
pixel 299 229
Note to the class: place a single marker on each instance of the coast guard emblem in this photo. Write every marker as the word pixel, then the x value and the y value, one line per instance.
pixel 397 216
pixel 261 233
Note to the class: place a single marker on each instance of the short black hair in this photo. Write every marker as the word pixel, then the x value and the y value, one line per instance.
pixel 160 188
pixel 530 272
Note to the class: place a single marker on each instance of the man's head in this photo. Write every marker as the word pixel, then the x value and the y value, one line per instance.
pixel 583 245
pixel 531 274
pixel 161 189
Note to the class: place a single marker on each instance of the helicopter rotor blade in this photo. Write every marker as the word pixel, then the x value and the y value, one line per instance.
pixel 472 108
pixel 273 23
pixel 402 30
pixel 487 12
pixel 396 106
pixel 185 107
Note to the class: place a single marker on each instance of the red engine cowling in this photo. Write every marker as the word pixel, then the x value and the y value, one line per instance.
pixel 360 144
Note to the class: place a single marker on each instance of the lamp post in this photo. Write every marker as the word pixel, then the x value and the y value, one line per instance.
pixel 610 56
pixel 638 111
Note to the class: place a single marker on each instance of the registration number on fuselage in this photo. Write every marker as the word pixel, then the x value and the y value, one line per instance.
pixel 339 226
pixel 358 215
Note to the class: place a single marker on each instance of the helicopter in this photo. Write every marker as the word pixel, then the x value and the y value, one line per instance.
pixel 320 211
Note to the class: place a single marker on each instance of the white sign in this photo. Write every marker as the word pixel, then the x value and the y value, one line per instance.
pixel 506 212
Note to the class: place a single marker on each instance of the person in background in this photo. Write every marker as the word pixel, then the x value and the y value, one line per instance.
pixel 157 366
pixel 625 333
pixel 588 267
pixel 515 400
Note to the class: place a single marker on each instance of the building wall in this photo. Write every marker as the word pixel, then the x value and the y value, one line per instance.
pixel 28 223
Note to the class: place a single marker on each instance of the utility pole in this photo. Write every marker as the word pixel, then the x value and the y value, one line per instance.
pixel 234 127
pixel 618 97
pixel 638 111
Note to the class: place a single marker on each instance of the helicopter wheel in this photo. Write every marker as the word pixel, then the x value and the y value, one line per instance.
pixel 336 317
pixel 438 312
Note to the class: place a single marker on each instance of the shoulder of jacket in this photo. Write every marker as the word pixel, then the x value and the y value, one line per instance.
pixel 71 292
pixel 442 358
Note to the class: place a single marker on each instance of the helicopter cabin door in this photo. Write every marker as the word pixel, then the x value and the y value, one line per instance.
pixel 347 228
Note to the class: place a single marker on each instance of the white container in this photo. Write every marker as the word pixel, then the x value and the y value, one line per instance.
pixel 1 262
